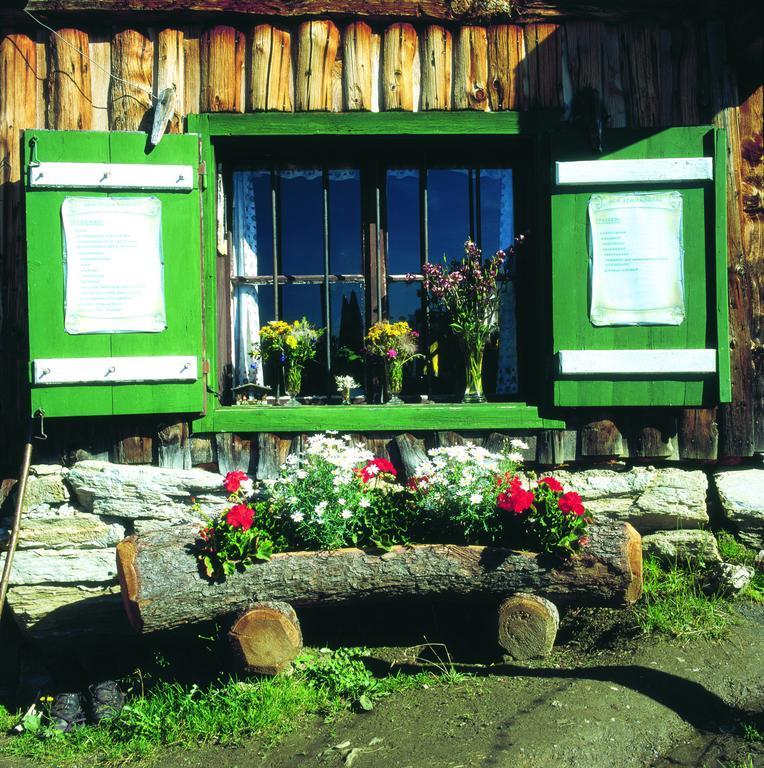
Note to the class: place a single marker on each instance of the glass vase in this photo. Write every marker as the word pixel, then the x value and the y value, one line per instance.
pixel 293 381
pixel 394 382
pixel 473 372
pixel 346 395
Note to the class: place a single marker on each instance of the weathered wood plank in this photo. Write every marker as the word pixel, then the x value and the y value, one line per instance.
pixel 698 434
pixel 221 71
pixel 358 66
pixel 687 49
pixel 100 69
pixel 203 450
pixel 436 72
pixel 613 97
pixel 191 70
pixel 317 46
pixel 585 43
pixel 600 439
pixel 506 72
pixel 235 452
pixel 162 588
pixel 543 63
pixel 271 81
pixel 170 72
pixel 69 89
pixel 399 54
pixel 555 447
pixel 642 75
pixel 471 68
pixel 272 451
pixel 132 61
pixel 173 446
pixel 653 436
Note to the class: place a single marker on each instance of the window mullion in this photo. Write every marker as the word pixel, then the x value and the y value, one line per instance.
pixel 327 298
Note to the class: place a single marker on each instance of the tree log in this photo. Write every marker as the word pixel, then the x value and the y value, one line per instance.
pixel 221 72
pixel 528 626
pixel 132 67
pixel 471 69
pixel 436 68
pixel 358 66
pixel 162 587
pixel 506 52
pixel 266 637
pixel 69 93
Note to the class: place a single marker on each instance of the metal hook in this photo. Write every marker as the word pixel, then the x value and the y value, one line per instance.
pixel 40 413
pixel 33 161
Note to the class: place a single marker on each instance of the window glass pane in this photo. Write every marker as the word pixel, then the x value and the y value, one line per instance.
pixel 403 221
pixel 404 302
pixel 448 212
pixel 254 304
pixel 347 314
pixel 345 222
pixel 497 215
pixel 253 222
pixel 298 301
pixel 301 222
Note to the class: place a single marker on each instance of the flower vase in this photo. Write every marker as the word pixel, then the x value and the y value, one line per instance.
pixel 394 382
pixel 346 395
pixel 293 378
pixel 473 371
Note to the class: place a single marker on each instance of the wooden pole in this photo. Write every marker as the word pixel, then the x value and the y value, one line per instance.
pixel 221 57
pixel 271 82
pixel 317 45
pixel 69 89
pixel 358 66
pixel 399 55
pixel 132 65
pixel 471 68
pixel 436 68
pixel 506 54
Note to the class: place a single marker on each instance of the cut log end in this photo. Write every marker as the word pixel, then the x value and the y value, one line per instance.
pixel 633 551
pixel 128 581
pixel 527 626
pixel 267 637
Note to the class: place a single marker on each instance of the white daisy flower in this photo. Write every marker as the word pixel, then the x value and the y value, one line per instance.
pixel 298 517
pixel 345 514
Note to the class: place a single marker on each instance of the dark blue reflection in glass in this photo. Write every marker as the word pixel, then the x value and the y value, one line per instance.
pixel 253 222
pixel 347 313
pixel 403 234
pixel 298 301
pixel 497 213
pixel 345 221
pixel 448 212
pixel 302 222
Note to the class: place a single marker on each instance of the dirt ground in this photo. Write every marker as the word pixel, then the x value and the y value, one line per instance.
pixel 607 698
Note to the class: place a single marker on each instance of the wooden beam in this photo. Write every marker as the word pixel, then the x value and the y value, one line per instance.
pixel 447 10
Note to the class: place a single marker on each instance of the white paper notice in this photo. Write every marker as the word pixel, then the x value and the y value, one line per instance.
pixel 636 257
pixel 113 265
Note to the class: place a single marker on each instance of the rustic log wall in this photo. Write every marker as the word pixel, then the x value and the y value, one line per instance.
pixel 653 73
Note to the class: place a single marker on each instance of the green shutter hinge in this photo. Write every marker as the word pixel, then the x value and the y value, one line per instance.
pixel 203 175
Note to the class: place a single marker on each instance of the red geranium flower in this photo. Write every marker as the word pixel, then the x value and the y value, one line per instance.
pixel 376 467
pixel 416 483
pixel 240 516
pixel 516 500
pixel 570 502
pixel 551 483
pixel 233 480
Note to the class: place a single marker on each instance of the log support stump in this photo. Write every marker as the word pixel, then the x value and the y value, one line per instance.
pixel 528 626
pixel 267 637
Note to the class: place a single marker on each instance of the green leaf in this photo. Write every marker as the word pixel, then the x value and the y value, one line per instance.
pixel 365 702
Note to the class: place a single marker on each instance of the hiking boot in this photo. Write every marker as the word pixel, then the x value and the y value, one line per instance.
pixel 66 711
pixel 106 701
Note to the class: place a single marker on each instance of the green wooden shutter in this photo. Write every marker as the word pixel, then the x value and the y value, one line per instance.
pixel 160 389
pixel 705 326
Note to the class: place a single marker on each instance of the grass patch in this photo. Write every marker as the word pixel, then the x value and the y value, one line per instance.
pixel 171 714
pixel 674 603
pixel 732 551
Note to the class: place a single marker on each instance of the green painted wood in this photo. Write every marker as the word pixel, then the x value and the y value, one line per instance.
pixel 705 313
pixel 381 418
pixel 182 278
pixel 374 123
pixel 720 242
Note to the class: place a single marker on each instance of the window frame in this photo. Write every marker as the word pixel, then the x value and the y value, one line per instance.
pixel 246 418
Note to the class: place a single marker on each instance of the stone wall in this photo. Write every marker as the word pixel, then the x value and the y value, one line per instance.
pixel 64 581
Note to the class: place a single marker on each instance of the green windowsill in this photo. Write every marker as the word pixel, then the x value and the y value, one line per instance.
pixel 376 418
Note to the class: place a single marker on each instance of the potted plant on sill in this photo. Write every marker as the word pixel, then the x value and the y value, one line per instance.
pixel 394 345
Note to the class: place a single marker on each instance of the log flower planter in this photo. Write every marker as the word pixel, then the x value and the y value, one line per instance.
pixel 162 587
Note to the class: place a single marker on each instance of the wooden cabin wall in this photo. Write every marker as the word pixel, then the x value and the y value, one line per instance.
pixel 649 74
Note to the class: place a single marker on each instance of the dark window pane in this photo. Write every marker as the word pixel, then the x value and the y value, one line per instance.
pixel 404 301
pixel 347 313
pixel 403 222
pixel 302 222
pixel 345 222
pixel 497 214
pixel 253 222
pixel 298 301
pixel 448 212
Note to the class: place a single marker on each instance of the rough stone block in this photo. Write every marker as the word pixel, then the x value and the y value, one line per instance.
pixel 146 493
pixel 741 492
pixel 63 566
pixel 681 546
pixel 66 527
pixel 45 489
